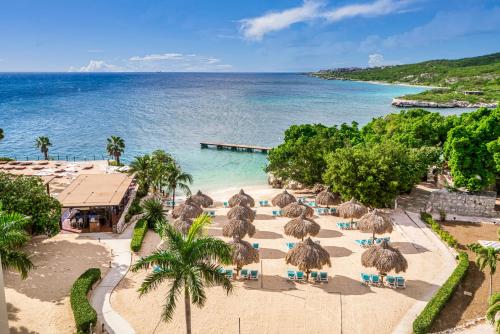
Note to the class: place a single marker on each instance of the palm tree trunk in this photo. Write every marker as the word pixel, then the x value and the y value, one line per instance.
pixel 4 324
pixel 173 198
pixel 46 154
pixel 117 159
pixel 491 284
pixel 187 305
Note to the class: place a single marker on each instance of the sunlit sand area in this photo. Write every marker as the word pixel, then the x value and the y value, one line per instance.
pixel 273 304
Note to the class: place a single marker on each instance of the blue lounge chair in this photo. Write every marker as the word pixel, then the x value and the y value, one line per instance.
pixel 369 242
pixel 300 276
pixel 333 211
pixel 360 242
pixel 256 245
pixel 375 279
pixel 291 275
pixel 156 269
pixel 400 282
pixel 229 273
pixel 340 225
pixel 226 204
pixel 210 213
pixel 275 213
pixel 323 277
pixel 312 204
pixel 319 211
pixel 244 273
pixel 365 279
pixel 390 281
pixel 254 274
pixel 378 241
pixel 290 245
pixel 315 276
pixel 388 239
pixel 222 270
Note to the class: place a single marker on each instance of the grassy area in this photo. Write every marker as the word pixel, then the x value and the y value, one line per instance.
pixel 452 76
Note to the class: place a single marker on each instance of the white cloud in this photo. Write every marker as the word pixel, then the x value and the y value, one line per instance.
pixel 256 28
pixel 157 57
pixel 97 66
pixel 375 60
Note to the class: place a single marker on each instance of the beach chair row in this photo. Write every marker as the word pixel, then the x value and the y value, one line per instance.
pixel 210 213
pixel 299 276
pixel 370 242
pixel 277 213
pixel 390 281
pixel 264 203
pixel 325 211
pixel 244 273
pixel 347 225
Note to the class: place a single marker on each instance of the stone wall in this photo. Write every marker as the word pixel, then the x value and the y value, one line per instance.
pixel 121 225
pixel 463 203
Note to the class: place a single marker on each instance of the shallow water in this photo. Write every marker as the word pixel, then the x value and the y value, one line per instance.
pixel 175 111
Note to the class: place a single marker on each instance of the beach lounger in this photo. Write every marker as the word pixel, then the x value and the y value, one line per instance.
pixel 244 273
pixel 226 204
pixel 156 269
pixel 275 213
pixel 323 277
pixel 254 274
pixel 369 242
pixel 340 225
pixel 400 282
pixel 365 279
pixel 290 275
pixel 390 281
pixel 255 245
pixel 388 239
pixel 312 204
pixel 210 213
pixel 290 245
pixel 222 270
pixel 315 276
pixel 378 241
pixel 361 242
pixel 300 276
pixel 229 273
pixel 375 279
pixel 333 211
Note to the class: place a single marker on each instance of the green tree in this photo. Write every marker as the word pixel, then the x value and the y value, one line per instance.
pixel 189 263
pixel 28 196
pixel 160 168
pixel 1 134
pixel 43 143
pixel 493 311
pixel 153 211
pixel 486 257
pixel 177 179
pixel 115 147
pixel 141 168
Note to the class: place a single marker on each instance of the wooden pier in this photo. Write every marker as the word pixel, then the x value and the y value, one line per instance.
pixel 236 147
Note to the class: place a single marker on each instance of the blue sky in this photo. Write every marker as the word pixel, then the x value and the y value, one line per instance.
pixel 250 35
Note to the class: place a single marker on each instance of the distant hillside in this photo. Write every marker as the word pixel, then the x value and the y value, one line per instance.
pixel 463 82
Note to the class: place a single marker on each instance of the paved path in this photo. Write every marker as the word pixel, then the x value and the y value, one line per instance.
pixel 416 232
pixel 100 299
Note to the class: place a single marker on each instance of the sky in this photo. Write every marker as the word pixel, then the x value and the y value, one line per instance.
pixel 240 36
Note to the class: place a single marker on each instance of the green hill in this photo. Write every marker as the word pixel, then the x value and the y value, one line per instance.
pixel 473 80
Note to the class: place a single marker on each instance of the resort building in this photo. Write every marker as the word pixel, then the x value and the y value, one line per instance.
pixel 95 202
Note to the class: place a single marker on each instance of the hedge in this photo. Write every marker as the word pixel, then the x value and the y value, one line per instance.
pixel 423 322
pixel 140 229
pixel 445 236
pixel 83 312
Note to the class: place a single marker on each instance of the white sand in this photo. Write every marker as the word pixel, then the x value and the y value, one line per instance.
pixel 274 305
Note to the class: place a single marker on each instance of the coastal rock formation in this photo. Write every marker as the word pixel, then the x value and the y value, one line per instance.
pixel 397 102
pixel 293 185
pixel 274 182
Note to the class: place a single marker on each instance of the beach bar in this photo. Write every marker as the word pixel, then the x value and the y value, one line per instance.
pixel 95 202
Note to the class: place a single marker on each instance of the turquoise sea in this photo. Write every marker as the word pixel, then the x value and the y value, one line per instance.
pixel 175 111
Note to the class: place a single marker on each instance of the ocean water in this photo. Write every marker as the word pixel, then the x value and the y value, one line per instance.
pixel 175 112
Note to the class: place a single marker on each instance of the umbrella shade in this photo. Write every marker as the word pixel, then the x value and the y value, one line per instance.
pixel 202 199
pixel 241 212
pixel 326 197
pixel 294 210
pixel 301 226
pixel 352 209
pixel 308 255
pixel 384 258
pixel 375 222
pixel 238 228
pixel 189 209
pixel 283 199
pixel 183 224
pixel 241 198
pixel 243 253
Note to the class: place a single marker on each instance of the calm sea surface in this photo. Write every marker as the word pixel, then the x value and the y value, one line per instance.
pixel 175 111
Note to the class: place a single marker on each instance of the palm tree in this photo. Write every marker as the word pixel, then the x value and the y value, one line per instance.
pixel 141 166
pixel 188 262
pixel 43 143
pixel 1 134
pixel 486 257
pixel 153 211
pixel 175 179
pixel 493 311
pixel 115 147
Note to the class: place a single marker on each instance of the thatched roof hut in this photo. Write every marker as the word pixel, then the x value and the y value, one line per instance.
pixel 326 197
pixel 241 212
pixel 352 209
pixel 183 224
pixel 308 255
pixel 294 210
pixel 202 199
pixel 241 198
pixel 384 258
pixel 189 209
pixel 375 222
pixel 243 253
pixel 302 226
pixel 283 199
pixel 238 228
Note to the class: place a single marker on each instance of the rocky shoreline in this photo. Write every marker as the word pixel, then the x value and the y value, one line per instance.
pixel 398 102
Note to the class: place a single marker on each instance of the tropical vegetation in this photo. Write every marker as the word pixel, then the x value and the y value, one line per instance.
pixel 486 257
pixel 153 211
pixel 1 134
pixel 115 147
pixel 492 314
pixel 189 263
pixel 140 230
pixel 43 143
pixel 84 314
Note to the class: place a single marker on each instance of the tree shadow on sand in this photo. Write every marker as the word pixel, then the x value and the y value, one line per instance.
pixel 344 285
pixel 271 253
pixel 267 235
pixel 329 234
pixel 262 216
pixel 12 312
pixel 272 283
pixel 335 251
pixel 22 330
pixel 409 247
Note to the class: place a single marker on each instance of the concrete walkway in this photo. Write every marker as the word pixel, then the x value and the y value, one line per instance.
pixel 121 260
pixel 416 232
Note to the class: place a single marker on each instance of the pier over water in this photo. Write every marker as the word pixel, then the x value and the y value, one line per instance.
pixel 235 147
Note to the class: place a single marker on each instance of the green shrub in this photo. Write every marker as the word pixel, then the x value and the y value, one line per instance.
pixel 423 322
pixel 6 159
pixel 140 229
pixel 83 312
pixel 445 236
pixel 134 209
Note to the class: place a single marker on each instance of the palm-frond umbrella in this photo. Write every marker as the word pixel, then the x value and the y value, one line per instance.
pixel 375 222
pixel 189 209
pixel 384 258
pixel 183 224
pixel 283 199
pixel 241 198
pixel 238 228
pixel 352 209
pixel 308 255
pixel 241 212
pixel 202 200
pixel 243 253
pixel 302 226
pixel 326 197
pixel 294 210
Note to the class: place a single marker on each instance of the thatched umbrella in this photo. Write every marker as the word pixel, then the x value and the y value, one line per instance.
pixel 238 228
pixel 202 199
pixel 375 221
pixel 308 255
pixel 384 258
pixel 183 224
pixel 189 209
pixel 243 253
pixel 241 198
pixel 326 197
pixel 241 212
pixel 301 226
pixel 352 209
pixel 283 199
pixel 294 210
